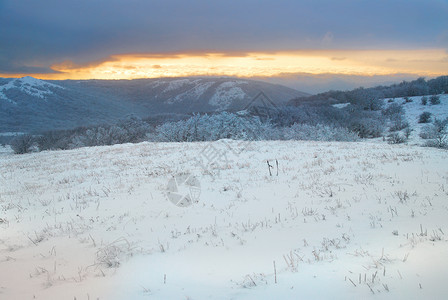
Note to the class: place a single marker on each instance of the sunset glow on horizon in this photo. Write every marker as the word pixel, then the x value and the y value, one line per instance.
pixel 431 62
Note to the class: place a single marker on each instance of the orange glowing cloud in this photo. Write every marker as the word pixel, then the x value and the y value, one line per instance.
pixel 431 62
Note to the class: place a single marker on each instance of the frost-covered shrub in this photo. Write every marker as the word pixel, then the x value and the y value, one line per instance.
pixel 230 126
pixel 437 143
pixel 436 134
pixel 395 113
pixel 393 109
pixel 130 130
pixel 365 120
pixel 319 133
pixel 399 123
pixel 434 99
pixel 190 130
pixel 367 125
pixel 407 100
pixel 211 127
pixel 22 144
pixel 310 114
pixel 57 139
pixel 396 138
pixel 427 132
pixel 407 132
pixel 424 100
pixel 425 117
pixel 367 99
pixel 99 136
pixel 371 103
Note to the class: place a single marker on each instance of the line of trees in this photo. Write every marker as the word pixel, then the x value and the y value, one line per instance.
pixel 367 116
pixel 291 123
pixel 131 130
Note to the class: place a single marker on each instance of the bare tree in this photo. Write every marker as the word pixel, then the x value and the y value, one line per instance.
pixel 22 144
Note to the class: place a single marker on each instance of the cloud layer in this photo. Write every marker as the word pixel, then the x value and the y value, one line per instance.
pixel 35 35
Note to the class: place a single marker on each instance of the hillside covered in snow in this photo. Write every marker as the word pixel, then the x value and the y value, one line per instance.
pixel 414 108
pixel 225 220
pixel 32 105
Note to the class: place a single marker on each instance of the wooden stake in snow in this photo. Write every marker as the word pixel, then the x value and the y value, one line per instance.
pixel 276 162
pixel 370 289
pixel 269 167
pixel 272 167
pixel 352 282
pixel 275 273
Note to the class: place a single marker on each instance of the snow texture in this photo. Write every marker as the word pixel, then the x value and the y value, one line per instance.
pixel 339 220
pixel 192 94
pixel 341 105
pixel 227 93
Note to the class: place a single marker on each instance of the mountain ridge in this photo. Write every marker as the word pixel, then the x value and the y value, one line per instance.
pixel 32 105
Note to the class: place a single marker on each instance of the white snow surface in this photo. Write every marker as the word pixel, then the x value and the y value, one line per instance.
pixel 226 93
pixel 340 221
pixel 6 150
pixel 341 105
pixel 29 85
pixel 11 133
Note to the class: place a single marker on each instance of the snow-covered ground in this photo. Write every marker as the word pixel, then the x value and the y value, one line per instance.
pixel 339 221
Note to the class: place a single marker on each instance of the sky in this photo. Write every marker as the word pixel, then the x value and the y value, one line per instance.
pixel 286 41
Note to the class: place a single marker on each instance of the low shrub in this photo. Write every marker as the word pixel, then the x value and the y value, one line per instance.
pixel 396 138
pixel 23 144
pixel 424 100
pixel 425 117
pixel 434 99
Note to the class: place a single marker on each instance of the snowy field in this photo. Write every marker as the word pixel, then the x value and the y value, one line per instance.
pixel 334 221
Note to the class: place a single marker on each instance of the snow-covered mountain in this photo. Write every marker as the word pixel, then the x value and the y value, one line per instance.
pixel 29 104
pixel 186 95
pixel 28 85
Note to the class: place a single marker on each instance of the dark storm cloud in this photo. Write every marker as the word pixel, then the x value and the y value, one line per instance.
pixel 35 34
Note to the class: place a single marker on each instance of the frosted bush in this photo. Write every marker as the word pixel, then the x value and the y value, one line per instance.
pixel 230 126
pixel 425 117
pixel 436 134
pixel 396 138
pixel 319 133
pixel 434 99
pixel 210 128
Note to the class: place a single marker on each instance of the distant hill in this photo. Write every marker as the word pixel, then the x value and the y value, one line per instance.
pixel 419 87
pixel 31 105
